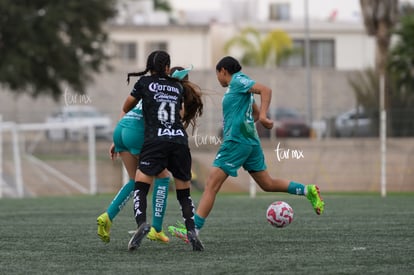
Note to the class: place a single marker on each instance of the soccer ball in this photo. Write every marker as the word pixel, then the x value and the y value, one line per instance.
pixel 279 214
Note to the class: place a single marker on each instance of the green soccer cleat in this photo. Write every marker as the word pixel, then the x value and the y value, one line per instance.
pixel 179 231
pixel 104 227
pixel 315 198
pixel 153 235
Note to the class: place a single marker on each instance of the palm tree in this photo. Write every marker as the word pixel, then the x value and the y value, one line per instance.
pixel 379 20
pixel 257 50
pixel 401 68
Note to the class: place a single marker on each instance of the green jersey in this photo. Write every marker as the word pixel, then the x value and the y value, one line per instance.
pixel 237 103
pixel 134 118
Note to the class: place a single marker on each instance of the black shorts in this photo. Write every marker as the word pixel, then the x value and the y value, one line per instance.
pixel 156 156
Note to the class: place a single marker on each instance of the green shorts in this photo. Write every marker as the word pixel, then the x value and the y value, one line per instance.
pixel 128 139
pixel 233 155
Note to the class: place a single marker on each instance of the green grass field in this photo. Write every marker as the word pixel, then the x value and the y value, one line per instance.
pixel 357 234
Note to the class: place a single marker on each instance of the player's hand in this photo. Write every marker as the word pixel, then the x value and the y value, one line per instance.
pixel 266 122
pixel 112 154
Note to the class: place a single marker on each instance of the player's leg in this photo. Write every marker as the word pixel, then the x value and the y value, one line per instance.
pixel 215 180
pixel 159 204
pixel 256 166
pixel 153 161
pixel 187 209
pixel 117 204
pixel 142 186
pixel 180 167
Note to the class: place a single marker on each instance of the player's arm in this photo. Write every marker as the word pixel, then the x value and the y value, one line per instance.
pixel 129 104
pixel 265 98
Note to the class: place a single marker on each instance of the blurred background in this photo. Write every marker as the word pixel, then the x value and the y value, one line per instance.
pixel 337 69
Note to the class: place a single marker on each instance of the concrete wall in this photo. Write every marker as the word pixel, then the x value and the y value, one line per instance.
pixel 331 95
pixel 336 165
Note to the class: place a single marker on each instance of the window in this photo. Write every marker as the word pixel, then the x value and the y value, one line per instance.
pixel 322 54
pixel 155 46
pixel 126 51
pixel 279 12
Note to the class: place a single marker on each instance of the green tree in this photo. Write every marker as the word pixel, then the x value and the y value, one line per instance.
pixel 365 85
pixel 379 20
pixel 399 70
pixel 401 67
pixel 269 50
pixel 163 5
pixel 46 46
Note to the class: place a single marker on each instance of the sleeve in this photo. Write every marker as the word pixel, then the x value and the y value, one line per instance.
pixel 243 83
pixel 137 90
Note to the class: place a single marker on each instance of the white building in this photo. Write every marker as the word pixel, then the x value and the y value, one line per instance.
pixel 197 30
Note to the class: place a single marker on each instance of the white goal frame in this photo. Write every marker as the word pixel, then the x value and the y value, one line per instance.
pixel 15 130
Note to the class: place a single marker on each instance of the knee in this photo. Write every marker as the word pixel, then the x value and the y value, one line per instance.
pixel 212 186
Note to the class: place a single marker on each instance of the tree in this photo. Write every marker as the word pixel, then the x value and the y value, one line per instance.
pixel 379 20
pixel 365 85
pixel 269 50
pixel 401 67
pixel 46 46
pixel 399 72
pixel 162 5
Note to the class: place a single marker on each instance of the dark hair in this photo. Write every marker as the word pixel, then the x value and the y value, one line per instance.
pixel 193 104
pixel 230 64
pixel 156 63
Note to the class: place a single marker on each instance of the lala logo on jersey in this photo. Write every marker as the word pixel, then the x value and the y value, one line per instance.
pixel 170 132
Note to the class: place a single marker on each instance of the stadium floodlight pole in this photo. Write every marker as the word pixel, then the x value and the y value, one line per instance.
pixel 307 64
pixel 383 137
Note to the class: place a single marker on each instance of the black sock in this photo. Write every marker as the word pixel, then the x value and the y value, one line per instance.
pixel 140 202
pixel 187 208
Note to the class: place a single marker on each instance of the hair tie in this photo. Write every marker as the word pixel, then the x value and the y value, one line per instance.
pixel 180 74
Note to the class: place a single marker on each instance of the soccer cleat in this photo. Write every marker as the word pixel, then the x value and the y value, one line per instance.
pixel 179 231
pixel 136 240
pixel 195 241
pixel 315 198
pixel 104 227
pixel 153 235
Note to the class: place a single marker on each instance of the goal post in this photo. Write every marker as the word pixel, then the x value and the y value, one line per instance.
pixel 16 134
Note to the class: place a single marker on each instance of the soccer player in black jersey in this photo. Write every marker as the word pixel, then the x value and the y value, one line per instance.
pixel 166 141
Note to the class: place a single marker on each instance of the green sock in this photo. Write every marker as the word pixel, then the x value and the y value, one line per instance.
pixel 159 202
pixel 296 188
pixel 199 221
pixel 124 194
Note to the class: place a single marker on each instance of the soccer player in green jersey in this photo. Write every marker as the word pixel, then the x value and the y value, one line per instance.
pixel 241 145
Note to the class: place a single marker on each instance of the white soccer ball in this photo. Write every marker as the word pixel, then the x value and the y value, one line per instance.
pixel 279 214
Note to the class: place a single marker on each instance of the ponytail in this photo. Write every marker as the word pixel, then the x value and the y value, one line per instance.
pixel 193 104
pixel 136 74
pixel 156 63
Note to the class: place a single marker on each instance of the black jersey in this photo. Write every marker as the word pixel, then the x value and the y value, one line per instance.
pixel 161 103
